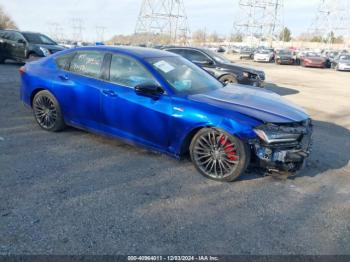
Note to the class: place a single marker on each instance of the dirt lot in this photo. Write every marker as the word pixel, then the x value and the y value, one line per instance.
pixel 78 193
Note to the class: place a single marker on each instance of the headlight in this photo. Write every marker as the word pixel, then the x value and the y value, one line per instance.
pixel 45 51
pixel 246 74
pixel 274 136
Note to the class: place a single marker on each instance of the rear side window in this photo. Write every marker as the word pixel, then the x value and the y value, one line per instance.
pixel 176 51
pixel 193 55
pixel 87 63
pixel 63 61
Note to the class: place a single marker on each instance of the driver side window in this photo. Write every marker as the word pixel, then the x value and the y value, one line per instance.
pixel 126 71
pixel 195 56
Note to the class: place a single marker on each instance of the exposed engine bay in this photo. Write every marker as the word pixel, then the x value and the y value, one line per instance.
pixel 283 148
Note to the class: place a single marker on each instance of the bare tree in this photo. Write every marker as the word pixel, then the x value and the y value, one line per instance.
pixel 214 37
pixel 6 21
pixel 199 36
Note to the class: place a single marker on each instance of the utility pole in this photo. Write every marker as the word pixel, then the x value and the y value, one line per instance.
pixel 259 20
pixel 164 18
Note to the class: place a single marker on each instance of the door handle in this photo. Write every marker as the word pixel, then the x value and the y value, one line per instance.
pixel 109 92
pixel 63 77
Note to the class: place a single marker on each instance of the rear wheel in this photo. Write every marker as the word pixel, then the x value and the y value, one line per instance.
pixel 47 112
pixel 2 60
pixel 219 155
pixel 228 79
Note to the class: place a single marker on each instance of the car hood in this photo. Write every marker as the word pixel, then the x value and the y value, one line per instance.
pixel 315 59
pixel 55 48
pixel 263 55
pixel 241 68
pixel 347 61
pixel 260 104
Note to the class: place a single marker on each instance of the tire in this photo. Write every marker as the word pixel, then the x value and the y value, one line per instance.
pixel 32 57
pixel 228 79
pixel 47 112
pixel 218 155
pixel 2 60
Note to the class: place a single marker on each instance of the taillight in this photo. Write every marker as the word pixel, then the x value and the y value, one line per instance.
pixel 22 70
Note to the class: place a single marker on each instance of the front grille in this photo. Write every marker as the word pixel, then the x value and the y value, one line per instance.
pixel 259 76
pixel 262 76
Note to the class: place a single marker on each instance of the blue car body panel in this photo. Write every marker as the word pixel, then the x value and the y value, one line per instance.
pixel 163 124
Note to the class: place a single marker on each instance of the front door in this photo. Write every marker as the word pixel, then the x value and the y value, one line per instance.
pixel 135 117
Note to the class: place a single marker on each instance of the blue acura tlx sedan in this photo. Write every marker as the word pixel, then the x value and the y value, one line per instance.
pixel 162 101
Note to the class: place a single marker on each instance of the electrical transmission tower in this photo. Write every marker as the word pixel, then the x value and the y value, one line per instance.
pixel 332 19
pixel 259 20
pixel 165 18
pixel 100 31
pixel 77 26
pixel 56 31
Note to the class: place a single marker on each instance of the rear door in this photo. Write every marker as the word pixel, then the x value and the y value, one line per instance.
pixel 78 85
pixel 18 49
pixel 6 44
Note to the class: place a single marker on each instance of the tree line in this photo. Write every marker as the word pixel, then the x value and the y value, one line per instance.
pixel 6 21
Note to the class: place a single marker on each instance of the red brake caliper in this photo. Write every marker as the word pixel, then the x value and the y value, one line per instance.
pixel 228 148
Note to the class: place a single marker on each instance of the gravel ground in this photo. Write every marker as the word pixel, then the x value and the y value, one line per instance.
pixel 79 193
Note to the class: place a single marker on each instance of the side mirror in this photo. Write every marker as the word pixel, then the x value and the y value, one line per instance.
pixel 21 41
pixel 204 63
pixel 150 90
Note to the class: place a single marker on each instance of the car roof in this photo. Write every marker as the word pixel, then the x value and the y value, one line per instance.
pixel 186 47
pixel 138 52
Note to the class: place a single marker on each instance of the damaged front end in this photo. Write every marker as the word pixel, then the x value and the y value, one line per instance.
pixel 283 148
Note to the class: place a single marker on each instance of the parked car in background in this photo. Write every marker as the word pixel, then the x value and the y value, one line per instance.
pixel 219 66
pixel 165 103
pixel 246 53
pixel 313 59
pixel 264 55
pixel 20 46
pixel 341 62
pixel 284 57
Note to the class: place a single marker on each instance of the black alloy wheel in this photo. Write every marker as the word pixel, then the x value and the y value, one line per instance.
pixel 47 111
pixel 228 79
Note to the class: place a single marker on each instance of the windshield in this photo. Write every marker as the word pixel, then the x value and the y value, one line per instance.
pixel 38 39
pixel 285 52
pixel 183 76
pixel 345 57
pixel 312 54
pixel 217 57
pixel 264 52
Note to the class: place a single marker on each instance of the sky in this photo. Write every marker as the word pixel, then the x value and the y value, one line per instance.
pixel 119 16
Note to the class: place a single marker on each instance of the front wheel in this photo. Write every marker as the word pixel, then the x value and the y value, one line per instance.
pixel 228 79
pixel 219 155
pixel 47 112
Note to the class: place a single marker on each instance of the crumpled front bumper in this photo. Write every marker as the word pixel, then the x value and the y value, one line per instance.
pixel 284 157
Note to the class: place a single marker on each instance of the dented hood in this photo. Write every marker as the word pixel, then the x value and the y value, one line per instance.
pixel 258 103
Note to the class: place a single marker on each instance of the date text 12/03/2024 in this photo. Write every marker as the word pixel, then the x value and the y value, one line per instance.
pixel 173 258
